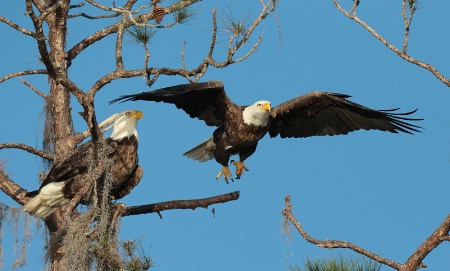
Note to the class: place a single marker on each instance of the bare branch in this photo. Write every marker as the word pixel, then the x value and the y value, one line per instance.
pixel 40 37
pixel 12 189
pixel 179 204
pixel 28 84
pixel 330 244
pixel 99 35
pixel 435 239
pixel 407 21
pixel 82 14
pixel 77 138
pixel 16 74
pixel 402 54
pixel 90 179
pixel 29 149
pixel 17 27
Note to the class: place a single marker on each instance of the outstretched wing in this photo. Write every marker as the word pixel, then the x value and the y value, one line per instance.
pixel 324 113
pixel 206 101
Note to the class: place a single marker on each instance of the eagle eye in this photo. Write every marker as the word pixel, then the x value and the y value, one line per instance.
pixel 128 113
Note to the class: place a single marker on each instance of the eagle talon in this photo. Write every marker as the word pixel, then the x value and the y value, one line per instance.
pixel 226 173
pixel 239 168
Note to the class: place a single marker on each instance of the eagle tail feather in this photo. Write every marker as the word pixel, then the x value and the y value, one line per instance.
pixel 49 199
pixel 202 152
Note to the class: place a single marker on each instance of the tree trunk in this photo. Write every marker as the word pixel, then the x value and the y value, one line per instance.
pixel 59 120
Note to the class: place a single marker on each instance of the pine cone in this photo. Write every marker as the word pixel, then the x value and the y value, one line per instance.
pixel 158 14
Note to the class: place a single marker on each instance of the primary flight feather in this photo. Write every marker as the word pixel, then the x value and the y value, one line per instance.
pixel 239 128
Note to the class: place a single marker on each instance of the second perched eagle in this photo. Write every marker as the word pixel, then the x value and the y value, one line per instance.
pixel 241 127
pixel 70 175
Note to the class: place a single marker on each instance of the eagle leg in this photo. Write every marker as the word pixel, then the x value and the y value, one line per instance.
pixel 239 168
pixel 226 173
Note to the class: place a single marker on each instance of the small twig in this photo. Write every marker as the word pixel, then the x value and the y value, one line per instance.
pixel 17 27
pixel 355 5
pixel 179 204
pixel 28 84
pixel 407 21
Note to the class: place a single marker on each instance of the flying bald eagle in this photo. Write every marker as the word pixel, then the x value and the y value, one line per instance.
pixel 69 175
pixel 241 127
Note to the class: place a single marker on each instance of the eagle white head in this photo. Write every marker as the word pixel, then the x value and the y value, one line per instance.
pixel 125 124
pixel 257 114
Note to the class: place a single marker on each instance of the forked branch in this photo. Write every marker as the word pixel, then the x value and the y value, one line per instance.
pixel 414 262
pixel 402 53
pixel 330 244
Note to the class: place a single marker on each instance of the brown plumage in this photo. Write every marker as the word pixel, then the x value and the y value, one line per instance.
pixel 69 175
pixel 241 127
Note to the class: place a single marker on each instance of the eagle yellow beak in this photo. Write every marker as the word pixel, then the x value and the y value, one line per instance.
pixel 265 106
pixel 137 115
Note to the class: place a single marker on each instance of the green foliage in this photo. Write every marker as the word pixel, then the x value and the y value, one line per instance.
pixel 134 257
pixel 338 264
pixel 183 14
pixel 140 34
pixel 237 27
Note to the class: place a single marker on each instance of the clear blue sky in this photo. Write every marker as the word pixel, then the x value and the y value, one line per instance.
pixel 385 192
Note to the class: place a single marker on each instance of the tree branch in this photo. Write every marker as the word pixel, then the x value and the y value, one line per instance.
pixel 40 38
pixel 28 84
pixel 435 239
pixel 16 74
pixel 330 244
pixel 17 27
pixel 179 204
pixel 99 35
pixel 402 54
pixel 12 189
pixel 29 149
pixel 77 138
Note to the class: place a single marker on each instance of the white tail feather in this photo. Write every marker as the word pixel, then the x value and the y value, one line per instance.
pixel 49 199
pixel 203 152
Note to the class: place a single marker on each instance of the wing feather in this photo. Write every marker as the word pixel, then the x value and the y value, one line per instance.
pixel 76 163
pixel 325 113
pixel 206 101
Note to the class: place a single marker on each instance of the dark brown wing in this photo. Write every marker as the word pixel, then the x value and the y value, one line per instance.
pixel 206 101
pixel 126 187
pixel 324 113
pixel 75 164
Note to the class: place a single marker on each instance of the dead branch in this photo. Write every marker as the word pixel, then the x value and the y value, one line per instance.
pixel 330 244
pixel 17 27
pixel 28 84
pixel 16 74
pixel 40 38
pixel 179 204
pixel 29 149
pixel 12 189
pixel 89 181
pixel 99 35
pixel 402 54
pixel 435 239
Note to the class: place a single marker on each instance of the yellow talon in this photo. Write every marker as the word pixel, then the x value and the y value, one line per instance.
pixel 239 168
pixel 226 172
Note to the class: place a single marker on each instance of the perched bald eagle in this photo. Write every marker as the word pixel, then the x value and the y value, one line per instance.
pixel 69 175
pixel 241 127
